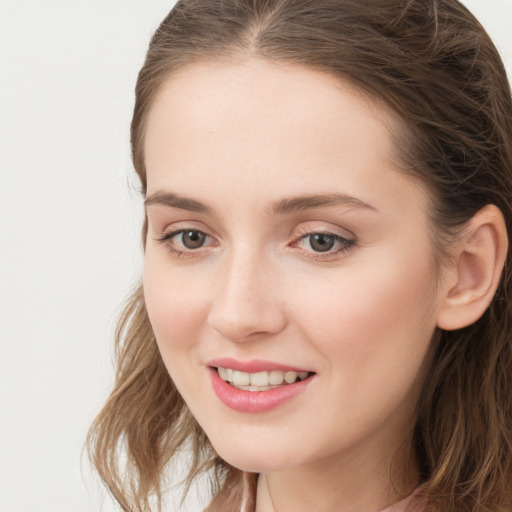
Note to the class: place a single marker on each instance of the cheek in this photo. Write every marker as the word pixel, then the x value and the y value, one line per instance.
pixel 177 309
pixel 374 321
pixel 372 331
pixel 176 304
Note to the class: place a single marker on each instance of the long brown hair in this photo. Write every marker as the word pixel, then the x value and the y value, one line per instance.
pixel 433 64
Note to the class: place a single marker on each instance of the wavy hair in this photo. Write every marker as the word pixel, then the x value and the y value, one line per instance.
pixel 433 64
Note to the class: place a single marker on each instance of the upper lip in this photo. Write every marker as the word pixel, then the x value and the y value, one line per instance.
pixel 253 366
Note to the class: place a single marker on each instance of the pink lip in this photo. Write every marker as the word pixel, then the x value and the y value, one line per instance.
pixel 256 365
pixel 255 401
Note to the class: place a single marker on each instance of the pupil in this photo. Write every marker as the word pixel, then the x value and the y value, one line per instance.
pixel 321 242
pixel 193 239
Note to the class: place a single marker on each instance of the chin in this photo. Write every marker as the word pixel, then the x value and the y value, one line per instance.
pixel 256 457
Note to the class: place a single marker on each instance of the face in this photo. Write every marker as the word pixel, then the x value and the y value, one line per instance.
pixel 284 243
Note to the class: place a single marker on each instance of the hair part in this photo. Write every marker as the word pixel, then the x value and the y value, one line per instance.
pixel 435 67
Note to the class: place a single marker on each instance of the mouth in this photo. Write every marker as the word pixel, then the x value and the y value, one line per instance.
pixel 257 386
pixel 262 380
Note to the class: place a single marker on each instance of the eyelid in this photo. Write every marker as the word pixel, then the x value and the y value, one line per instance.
pixel 165 238
pixel 181 225
pixel 310 228
pixel 168 235
pixel 346 241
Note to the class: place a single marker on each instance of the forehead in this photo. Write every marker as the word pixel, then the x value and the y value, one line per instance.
pixel 244 98
pixel 255 123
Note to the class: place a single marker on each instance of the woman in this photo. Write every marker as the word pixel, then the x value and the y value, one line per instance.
pixel 324 315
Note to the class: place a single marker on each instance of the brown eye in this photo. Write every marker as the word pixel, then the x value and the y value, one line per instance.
pixel 321 242
pixel 193 239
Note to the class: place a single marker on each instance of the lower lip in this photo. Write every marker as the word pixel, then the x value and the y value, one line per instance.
pixel 255 401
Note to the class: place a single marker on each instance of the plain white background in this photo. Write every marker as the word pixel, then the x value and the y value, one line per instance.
pixel 70 216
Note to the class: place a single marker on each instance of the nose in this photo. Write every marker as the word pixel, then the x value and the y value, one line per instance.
pixel 246 303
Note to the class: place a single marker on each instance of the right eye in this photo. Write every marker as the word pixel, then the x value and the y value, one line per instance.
pixel 186 240
pixel 192 239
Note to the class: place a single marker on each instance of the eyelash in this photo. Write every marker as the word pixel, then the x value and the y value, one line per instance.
pixel 165 239
pixel 346 244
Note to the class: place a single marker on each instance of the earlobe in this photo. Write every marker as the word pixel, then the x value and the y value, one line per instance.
pixel 478 262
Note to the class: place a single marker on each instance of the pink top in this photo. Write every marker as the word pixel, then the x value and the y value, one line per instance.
pixel 243 499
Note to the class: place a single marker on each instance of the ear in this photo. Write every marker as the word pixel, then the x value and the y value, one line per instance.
pixel 478 262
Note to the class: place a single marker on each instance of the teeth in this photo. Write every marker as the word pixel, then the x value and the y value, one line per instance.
pixel 259 381
pixel 241 378
pixel 276 378
pixel 290 377
pixel 256 388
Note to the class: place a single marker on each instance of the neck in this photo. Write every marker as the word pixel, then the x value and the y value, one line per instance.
pixel 350 483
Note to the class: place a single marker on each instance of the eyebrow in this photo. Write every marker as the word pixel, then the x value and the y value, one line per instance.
pixel 281 207
pixel 176 201
pixel 295 204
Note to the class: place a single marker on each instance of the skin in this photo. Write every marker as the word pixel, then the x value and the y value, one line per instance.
pixel 239 137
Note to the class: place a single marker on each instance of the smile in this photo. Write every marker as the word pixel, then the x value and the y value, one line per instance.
pixel 260 381
pixel 257 386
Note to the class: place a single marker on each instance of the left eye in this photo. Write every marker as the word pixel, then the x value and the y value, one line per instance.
pixel 321 242
pixel 324 242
